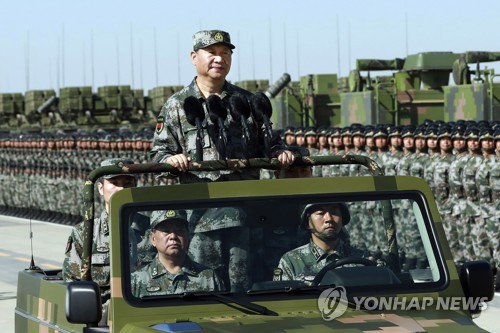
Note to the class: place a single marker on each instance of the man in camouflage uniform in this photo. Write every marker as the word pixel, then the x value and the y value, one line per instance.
pixel 107 186
pixel 336 148
pixel 328 243
pixel 485 233
pixel 471 216
pixel 172 271
pixel 457 198
pixel 175 137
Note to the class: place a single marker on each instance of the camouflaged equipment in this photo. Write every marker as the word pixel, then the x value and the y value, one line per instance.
pixel 206 38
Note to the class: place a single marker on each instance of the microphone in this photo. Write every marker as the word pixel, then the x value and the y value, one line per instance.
pixel 194 116
pixel 262 111
pixel 218 115
pixel 240 109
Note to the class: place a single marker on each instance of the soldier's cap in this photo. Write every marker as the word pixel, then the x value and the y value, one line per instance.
pixel 162 216
pixel 206 38
pixel 380 131
pixel 309 208
pixel 299 131
pixel 407 131
pixel 117 162
pixel 357 130
pixel 457 133
pixel 472 133
pixel 310 131
pixel 485 133
pixel 444 132
pixel 336 131
pixel 289 131
pixel 394 131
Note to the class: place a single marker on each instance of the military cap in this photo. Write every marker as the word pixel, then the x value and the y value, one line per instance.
pixel 322 131
pixel 431 132
pixel 369 131
pixel 309 208
pixel 444 132
pixel 117 162
pixel 299 131
pixel 310 131
pixel 428 122
pixel 496 134
pixel 161 216
pixel 206 38
pixel 289 131
pixel 485 133
pixel 380 131
pixel 457 133
pixel 335 132
pixel 472 133
pixel 408 131
pixel 395 131
pixel 357 130
pixel 346 131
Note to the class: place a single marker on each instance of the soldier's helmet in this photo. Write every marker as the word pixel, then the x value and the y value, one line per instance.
pixel 289 131
pixel 357 130
pixel 457 133
pixel 369 131
pixel 163 216
pixel 299 131
pixel 322 131
pixel 380 131
pixel 309 208
pixel 431 132
pixel 394 131
pixel 496 134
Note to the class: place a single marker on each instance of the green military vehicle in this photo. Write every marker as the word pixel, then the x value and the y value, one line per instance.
pixel 352 294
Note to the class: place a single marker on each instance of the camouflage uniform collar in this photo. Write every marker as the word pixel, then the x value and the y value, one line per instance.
pixel 227 90
pixel 320 254
pixel 157 270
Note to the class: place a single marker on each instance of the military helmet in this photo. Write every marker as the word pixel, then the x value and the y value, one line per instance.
pixel 310 131
pixel 289 131
pixel 485 133
pixel 307 209
pixel 444 132
pixel 335 132
pixel 472 133
pixel 457 133
pixel 369 131
pixel 394 131
pixel 299 131
pixel 380 131
pixel 119 163
pixel 408 131
pixel 357 130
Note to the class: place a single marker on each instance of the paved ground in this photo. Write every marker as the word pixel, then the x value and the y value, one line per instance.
pixel 49 242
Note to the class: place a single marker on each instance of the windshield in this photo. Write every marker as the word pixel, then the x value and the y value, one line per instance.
pixel 273 244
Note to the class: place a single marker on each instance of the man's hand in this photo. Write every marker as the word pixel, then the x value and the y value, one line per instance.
pixel 286 158
pixel 179 161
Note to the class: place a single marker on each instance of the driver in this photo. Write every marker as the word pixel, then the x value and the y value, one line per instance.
pixel 329 243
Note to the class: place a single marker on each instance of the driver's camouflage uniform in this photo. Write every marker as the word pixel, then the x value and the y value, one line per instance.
pixel 303 263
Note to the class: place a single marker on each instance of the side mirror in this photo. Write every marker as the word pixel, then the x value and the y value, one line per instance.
pixel 477 282
pixel 83 303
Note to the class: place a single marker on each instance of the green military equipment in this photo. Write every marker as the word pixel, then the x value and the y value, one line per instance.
pixel 476 97
pixel 352 294
pixel 253 85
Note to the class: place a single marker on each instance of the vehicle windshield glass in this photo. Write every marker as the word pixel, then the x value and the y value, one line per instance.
pixel 278 243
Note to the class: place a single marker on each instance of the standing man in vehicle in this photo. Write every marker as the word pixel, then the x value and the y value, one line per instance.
pixel 175 138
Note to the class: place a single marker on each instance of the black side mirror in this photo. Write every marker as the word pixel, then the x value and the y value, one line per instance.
pixel 477 282
pixel 83 303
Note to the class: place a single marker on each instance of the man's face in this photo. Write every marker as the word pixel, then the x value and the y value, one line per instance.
pixel 432 143
pixel 311 140
pixel 473 144
pixel 380 142
pixel 358 141
pixel 487 144
pixel 300 140
pixel 112 185
pixel 445 144
pixel 408 142
pixel 396 141
pixel 290 139
pixel 213 61
pixel 325 222
pixel 170 238
pixel 459 144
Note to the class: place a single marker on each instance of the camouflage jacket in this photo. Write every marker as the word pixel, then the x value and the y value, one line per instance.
pixel 304 262
pixel 470 186
pixel 484 186
pixel 441 181
pixel 100 252
pixel 457 198
pixel 175 135
pixel 154 279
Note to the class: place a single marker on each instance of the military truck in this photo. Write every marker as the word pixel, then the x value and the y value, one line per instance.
pixel 351 294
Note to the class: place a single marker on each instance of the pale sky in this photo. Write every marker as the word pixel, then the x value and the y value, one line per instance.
pixel 52 44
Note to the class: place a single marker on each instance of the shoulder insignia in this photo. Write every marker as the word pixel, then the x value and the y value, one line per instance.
pixel 160 124
pixel 277 274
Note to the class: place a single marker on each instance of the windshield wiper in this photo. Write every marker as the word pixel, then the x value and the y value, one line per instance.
pixel 222 298
pixel 294 288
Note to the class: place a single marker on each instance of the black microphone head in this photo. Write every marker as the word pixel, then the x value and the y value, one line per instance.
pixel 239 106
pixel 193 109
pixel 216 109
pixel 261 105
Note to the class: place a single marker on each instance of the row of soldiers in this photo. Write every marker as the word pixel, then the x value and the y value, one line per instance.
pixel 42 174
pixel 460 162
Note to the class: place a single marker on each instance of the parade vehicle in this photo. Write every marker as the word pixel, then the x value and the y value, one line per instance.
pixel 353 294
